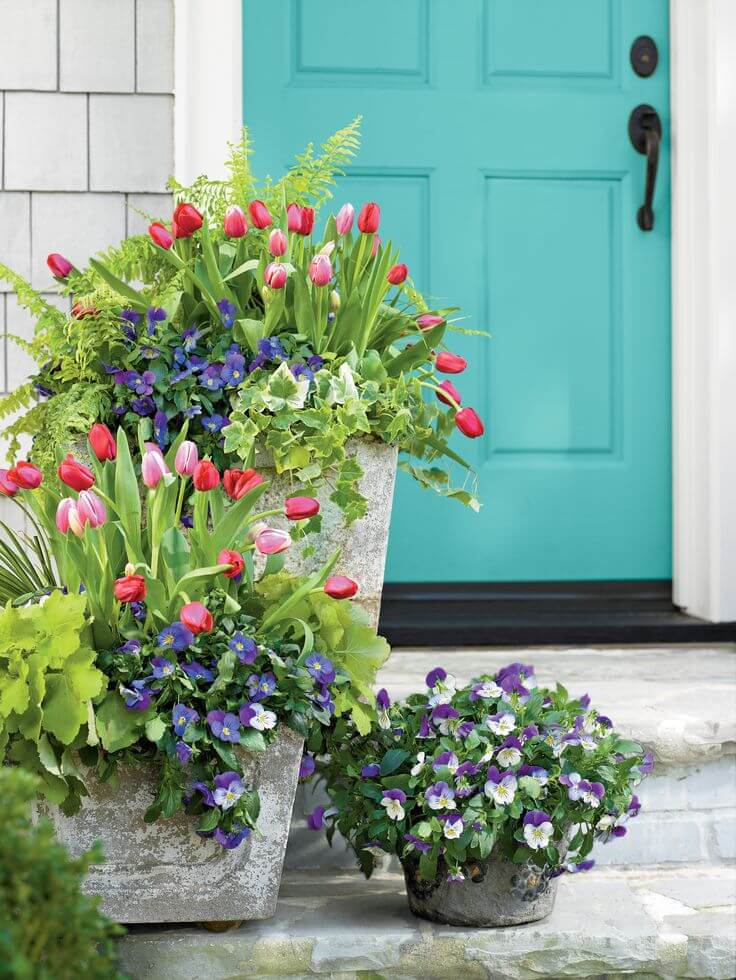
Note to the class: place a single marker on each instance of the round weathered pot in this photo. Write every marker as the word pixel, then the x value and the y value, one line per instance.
pixel 363 543
pixel 494 893
pixel 165 872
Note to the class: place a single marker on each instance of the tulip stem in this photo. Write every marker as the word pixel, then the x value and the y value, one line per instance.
pixel 445 394
pixel 266 513
pixel 179 501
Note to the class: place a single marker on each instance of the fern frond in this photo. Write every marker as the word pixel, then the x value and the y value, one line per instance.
pixel 16 401
pixel 29 298
pixel 241 187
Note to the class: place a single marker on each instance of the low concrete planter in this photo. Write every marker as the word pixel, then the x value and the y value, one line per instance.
pixel 496 893
pixel 164 872
pixel 364 542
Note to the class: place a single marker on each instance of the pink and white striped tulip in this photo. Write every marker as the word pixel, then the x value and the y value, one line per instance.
pixel 186 459
pixel 344 219
pixel 62 514
pixel 320 270
pixel 153 468
pixel 274 275
pixel 277 243
pixel 235 223
pixel 91 509
pixel 271 541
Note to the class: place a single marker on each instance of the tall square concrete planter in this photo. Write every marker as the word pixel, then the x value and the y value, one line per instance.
pixel 165 872
pixel 363 543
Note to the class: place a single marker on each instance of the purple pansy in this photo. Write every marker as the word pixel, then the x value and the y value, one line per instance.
pixel 154 315
pixel 232 839
pixel 261 687
pixel 437 674
pixel 446 759
pixel 320 668
pixel 370 771
pixel 175 637
pixel 306 766
pixel 233 372
pixel 182 717
pixel 162 667
pixel 130 646
pixel 183 752
pixel 207 797
pixel 531 731
pixel 316 819
pixel 211 378
pixel 161 429
pixel 228 789
pixel 224 725
pixel 417 844
pixel 464 729
pixel 244 648
pixel 227 312
pixel 214 423
pixel 196 672
pixel 137 696
pixel 425 728
pixel 383 701
pixel 142 384
pixel 143 406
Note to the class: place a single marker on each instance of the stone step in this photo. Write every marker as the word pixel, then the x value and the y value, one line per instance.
pixel 653 922
pixel 680 702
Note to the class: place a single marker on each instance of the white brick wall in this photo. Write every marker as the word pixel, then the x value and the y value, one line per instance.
pixel 86 130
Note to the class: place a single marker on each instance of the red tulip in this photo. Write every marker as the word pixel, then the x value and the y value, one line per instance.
pixel 186 221
pixel 196 617
pixel 7 487
pixel 60 267
pixel 340 587
pixel 449 363
pixel 397 274
pixel 238 482
pixel 205 476
pixel 369 218
pixel 259 214
pixel 428 320
pixel 75 474
pixel 469 423
pixel 307 222
pixel 25 475
pixel 130 588
pixel 274 275
pixel 80 311
pixel 300 508
pixel 234 559
pixel 103 442
pixel 160 235
pixel 235 223
pixel 452 391
pixel 277 243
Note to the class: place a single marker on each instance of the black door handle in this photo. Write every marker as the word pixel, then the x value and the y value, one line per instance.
pixel 645 133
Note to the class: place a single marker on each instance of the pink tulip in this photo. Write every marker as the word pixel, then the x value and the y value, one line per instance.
pixel 153 468
pixel 320 270
pixel 186 459
pixel 60 267
pixel 274 275
pixel 375 245
pixel 277 243
pixel 235 223
pixel 294 217
pixel 76 524
pixel 344 219
pixel 428 320
pixel 62 514
pixel 397 274
pixel 259 214
pixel 270 541
pixel 90 508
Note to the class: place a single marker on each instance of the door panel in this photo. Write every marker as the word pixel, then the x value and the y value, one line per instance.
pixel 495 139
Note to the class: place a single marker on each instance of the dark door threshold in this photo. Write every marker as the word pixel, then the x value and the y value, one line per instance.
pixel 540 613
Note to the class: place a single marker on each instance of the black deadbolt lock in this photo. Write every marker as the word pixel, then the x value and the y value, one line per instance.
pixel 644 56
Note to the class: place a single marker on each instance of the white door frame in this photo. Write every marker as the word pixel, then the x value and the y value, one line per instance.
pixel 208 112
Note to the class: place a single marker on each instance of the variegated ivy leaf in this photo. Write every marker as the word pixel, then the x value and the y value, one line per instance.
pixel 284 390
pixel 342 388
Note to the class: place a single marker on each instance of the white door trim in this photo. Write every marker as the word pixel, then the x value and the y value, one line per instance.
pixel 208 112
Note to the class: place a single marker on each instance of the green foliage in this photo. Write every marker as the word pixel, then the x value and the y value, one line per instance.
pixel 26 568
pixel 49 930
pixel 48 679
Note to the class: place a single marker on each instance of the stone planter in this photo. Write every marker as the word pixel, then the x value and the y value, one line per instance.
pixel 495 893
pixel 364 542
pixel 164 872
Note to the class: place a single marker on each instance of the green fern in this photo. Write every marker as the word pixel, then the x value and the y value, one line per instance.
pixel 241 185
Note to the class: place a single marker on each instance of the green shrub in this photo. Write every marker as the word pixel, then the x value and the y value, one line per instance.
pixel 49 930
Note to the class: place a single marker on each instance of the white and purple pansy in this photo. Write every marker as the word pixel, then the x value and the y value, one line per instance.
pixel 487 690
pixel 383 703
pixel 261 687
pixel 442 686
pixel 455 874
pixel 446 760
pixel 576 785
pixel 419 764
pixel 374 848
pixel 415 843
pixel 393 800
pixel 538 829
pixel 425 728
pixel 610 826
pixel 440 796
pixel 254 715
pixel 224 725
pixel 509 754
pixel 453 826
pixel 316 819
pixel 463 773
pixel 464 729
pixel 539 773
pixel 502 723
pixel 444 717
pixel 593 793
pixel 529 732
pixel 500 786
pixel 228 789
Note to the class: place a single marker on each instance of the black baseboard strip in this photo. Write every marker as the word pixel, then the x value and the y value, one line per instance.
pixel 460 614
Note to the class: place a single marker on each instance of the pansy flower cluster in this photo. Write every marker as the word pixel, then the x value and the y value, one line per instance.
pixel 206 686
pixel 499 768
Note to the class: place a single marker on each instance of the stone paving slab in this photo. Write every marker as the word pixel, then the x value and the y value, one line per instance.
pixel 679 701
pixel 648 923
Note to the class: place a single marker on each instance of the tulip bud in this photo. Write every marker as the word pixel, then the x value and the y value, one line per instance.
pixel 102 442
pixel 130 588
pixel 428 320
pixel 186 221
pixel 259 214
pixel 60 267
pixel 62 514
pixel 196 617
pixel 340 587
pixel 235 223
pixel 334 300
pixel 452 391
pixel 294 217
pixel 327 249
pixel 75 474
pixel 186 458
pixel 205 476
pixel 90 508
pixel 238 482
pixel 344 219
pixel 300 508
pixel 160 235
pixel 277 243
pixel 25 475
pixel 320 270
pixel 274 275
pixel 469 423
pixel 449 363
pixel 7 487
pixel 369 218
pixel 234 559
pixel 375 245
pixel 270 541
pixel 397 274
pixel 153 468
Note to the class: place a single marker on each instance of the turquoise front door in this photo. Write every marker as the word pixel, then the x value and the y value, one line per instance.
pixel 495 139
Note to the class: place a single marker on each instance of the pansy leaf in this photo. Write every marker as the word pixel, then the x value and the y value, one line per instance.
pixel 209 821
pixel 392 760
